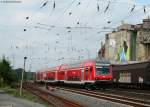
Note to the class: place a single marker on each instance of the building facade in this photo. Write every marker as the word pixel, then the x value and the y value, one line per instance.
pixel 128 43
pixel 143 43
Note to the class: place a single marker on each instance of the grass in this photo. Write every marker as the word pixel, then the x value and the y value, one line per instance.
pixel 25 95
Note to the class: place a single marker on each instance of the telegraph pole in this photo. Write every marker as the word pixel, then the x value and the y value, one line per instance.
pixel 22 75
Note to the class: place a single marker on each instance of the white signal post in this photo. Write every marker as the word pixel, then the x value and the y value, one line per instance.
pixel 22 75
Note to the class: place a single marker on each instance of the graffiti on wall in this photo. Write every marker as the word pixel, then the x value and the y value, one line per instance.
pixel 123 52
pixel 143 37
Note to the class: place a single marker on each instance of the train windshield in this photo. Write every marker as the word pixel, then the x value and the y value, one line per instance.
pixel 102 70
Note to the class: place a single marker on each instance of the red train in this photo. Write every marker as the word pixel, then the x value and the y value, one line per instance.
pixel 89 73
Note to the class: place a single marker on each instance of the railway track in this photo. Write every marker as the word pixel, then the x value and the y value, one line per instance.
pixel 143 92
pixel 110 97
pixel 137 94
pixel 56 101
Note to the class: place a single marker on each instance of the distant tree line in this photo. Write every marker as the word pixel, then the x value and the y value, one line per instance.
pixel 27 75
pixel 9 76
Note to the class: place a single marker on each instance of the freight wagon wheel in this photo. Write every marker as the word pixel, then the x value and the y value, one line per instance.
pixel 89 86
pixel 103 88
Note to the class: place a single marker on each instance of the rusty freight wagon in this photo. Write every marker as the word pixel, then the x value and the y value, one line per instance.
pixel 133 75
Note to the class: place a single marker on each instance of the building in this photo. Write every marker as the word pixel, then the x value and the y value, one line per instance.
pixel 143 41
pixel 101 52
pixel 128 43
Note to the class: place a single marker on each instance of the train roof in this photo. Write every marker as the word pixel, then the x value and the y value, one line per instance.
pixel 50 69
pixel 136 65
pixel 79 64
pixel 88 62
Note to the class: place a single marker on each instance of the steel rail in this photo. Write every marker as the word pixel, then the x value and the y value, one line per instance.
pixel 133 92
pixel 113 98
pixel 56 101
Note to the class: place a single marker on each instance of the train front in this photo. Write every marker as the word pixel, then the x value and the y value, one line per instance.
pixel 103 74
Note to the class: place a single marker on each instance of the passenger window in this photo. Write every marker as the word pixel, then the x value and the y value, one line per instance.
pixel 86 69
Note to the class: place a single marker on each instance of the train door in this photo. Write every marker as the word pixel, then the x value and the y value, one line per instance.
pixel 90 76
pixel 86 73
pixel 65 78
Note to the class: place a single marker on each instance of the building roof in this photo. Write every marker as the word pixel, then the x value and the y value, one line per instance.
pixel 126 27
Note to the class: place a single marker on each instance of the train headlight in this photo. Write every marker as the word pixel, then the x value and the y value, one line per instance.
pixel 96 78
pixel 103 77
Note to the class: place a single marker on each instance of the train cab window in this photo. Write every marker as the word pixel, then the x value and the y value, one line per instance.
pixel 102 70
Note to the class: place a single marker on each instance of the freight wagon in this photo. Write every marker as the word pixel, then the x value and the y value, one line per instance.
pixel 134 75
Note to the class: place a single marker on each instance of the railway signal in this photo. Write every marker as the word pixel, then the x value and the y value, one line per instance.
pixel 25 58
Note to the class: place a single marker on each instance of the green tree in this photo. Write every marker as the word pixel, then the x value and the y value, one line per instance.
pixel 7 74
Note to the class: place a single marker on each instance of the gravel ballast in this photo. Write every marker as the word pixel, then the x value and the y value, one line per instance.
pixel 10 101
pixel 86 100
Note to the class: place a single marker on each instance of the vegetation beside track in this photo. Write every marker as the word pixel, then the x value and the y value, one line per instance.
pixel 9 83
pixel 25 95
pixel 7 74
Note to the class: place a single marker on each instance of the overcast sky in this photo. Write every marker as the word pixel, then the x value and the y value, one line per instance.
pixel 62 31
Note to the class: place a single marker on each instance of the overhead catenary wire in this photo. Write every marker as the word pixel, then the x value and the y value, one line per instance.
pixel 54 5
pixel 68 27
pixel 60 16
pixel 125 3
pixel 56 27
pixel 129 15
pixel 132 8
pixel 107 7
pixel 99 29
pixel 83 13
pixel 98 7
pixel 144 7
pixel 44 4
pixel 78 22
pixel 105 10
pixel 108 22
pixel 92 27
